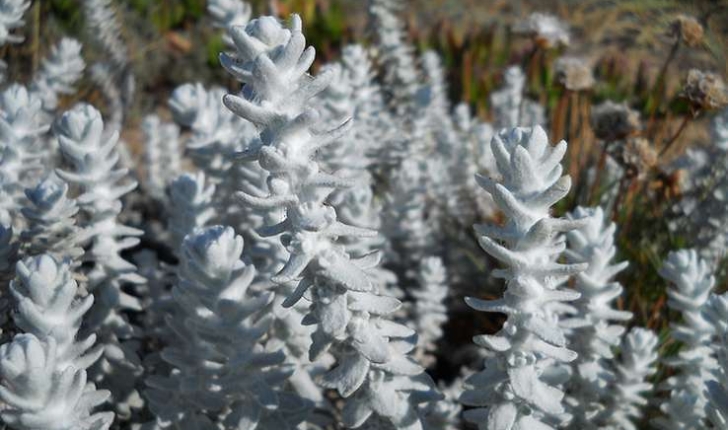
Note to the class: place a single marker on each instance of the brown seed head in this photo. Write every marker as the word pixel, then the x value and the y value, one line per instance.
pixel 688 30
pixel 705 90
pixel 612 121
pixel 635 154
pixel 574 74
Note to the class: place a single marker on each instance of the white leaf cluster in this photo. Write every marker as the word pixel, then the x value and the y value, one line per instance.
pixel 636 364
pixel 395 55
pixel 51 223
pixel 372 368
pixel 22 126
pixel 228 13
pixel 44 369
pixel 190 201
pixel 510 107
pixel 716 311
pixel 430 312
pixel 11 17
pixel 514 390
pixel 691 282
pixel 114 77
pixel 216 136
pixel 218 333
pixel 161 154
pixel 60 71
pixel 706 193
pixel 94 170
pixel 591 331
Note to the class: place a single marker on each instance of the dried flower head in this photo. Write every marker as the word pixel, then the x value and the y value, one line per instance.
pixel 705 90
pixel 687 29
pixel 574 74
pixel 636 155
pixel 611 121
pixel 547 30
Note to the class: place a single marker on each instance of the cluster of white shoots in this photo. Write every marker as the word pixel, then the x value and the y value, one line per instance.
pixel 94 171
pixel 702 207
pixel 692 283
pixel 591 332
pixel 350 189
pixel 44 369
pixel 372 368
pixel 515 390
pixel 220 374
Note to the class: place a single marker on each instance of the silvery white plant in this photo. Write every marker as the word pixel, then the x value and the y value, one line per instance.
pixel 11 18
pixel 447 153
pixel 103 76
pixel 631 388
pixel 216 136
pixel 39 394
pixel 372 121
pixel 592 333
pixel 222 377
pixel 474 156
pixel 228 13
pixel 355 206
pixel 429 311
pixel 48 306
pixel 94 170
pixel 44 370
pixel 510 106
pixel 705 193
pixel 717 390
pixel 445 414
pixel 51 221
pixel 214 130
pixel 285 331
pixel 162 158
pixel 22 125
pixel 190 206
pixel 405 222
pixel 114 77
pixel 59 73
pixel 359 208
pixel 352 95
pixel 102 183
pixel 512 391
pixel 372 368
pixel 395 55
pixel 716 312
pixel 102 20
pixel 336 106
pixel 692 281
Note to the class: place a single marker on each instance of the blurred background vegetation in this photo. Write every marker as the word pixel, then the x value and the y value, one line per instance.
pixel 172 41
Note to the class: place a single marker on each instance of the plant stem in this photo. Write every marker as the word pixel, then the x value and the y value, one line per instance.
pixel 658 89
pixel 693 114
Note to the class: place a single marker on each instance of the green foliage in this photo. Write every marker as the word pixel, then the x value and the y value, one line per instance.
pixel 214 47
pixel 67 13
pixel 169 14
